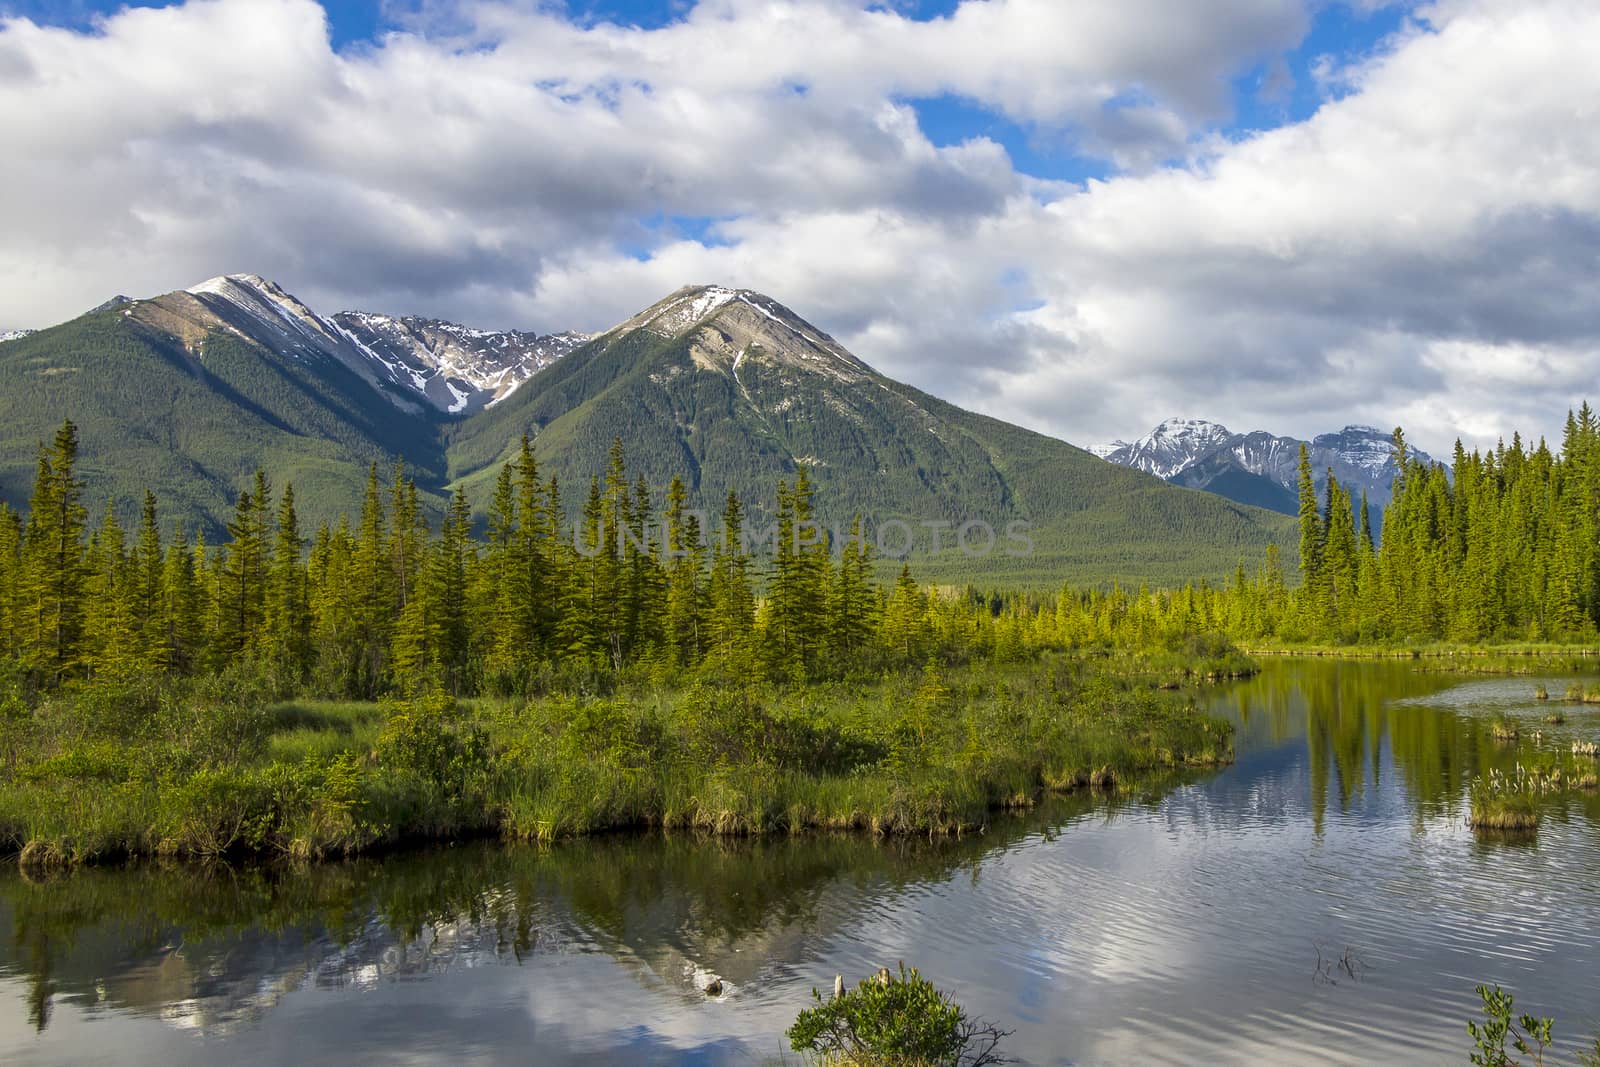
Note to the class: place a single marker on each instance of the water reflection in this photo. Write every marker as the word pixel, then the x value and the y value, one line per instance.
pixel 1189 925
pixel 1354 721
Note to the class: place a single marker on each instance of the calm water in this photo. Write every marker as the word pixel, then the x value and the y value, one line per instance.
pixel 1182 928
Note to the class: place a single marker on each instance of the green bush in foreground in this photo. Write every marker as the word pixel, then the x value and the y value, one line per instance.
pixel 1527 1035
pixel 895 1020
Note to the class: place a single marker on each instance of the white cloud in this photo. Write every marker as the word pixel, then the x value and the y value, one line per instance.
pixel 1424 248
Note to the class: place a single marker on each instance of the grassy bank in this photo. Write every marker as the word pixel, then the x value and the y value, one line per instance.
pixel 213 768
pixel 1515 658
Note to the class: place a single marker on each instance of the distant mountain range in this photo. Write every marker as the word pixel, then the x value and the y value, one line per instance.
pixel 188 392
pixel 1260 468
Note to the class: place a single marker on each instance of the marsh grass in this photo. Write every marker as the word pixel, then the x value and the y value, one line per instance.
pixel 1501 659
pixel 217 769
pixel 1501 801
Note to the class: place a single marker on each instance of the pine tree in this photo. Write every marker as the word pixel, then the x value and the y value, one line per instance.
pixel 732 610
pixel 535 533
pixel 53 566
pixel 645 585
pixel 150 603
pixel 245 571
pixel 182 645
pixel 854 601
pixel 408 534
pixel 374 601
pixel 1311 538
pixel 591 584
pixel 687 595
pixel 905 629
pixel 1341 561
pixel 796 616
pixel 504 586
pixel 111 631
pixel 10 583
pixel 287 623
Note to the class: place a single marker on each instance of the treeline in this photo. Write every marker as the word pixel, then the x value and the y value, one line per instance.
pixel 1501 546
pixel 389 605
pixel 1507 546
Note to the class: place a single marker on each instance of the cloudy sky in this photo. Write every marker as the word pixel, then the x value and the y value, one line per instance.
pixel 1081 215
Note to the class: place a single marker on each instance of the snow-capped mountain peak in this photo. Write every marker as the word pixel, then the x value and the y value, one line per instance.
pixel 1361 457
pixel 414 362
pixel 1171 446
pixel 731 325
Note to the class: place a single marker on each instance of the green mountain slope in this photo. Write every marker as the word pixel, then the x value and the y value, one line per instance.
pixel 1222 475
pixel 190 412
pixel 188 393
pixel 732 390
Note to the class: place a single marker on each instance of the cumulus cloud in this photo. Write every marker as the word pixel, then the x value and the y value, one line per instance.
pixel 1423 249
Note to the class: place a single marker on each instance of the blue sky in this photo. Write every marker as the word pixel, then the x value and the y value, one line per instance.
pixel 1084 216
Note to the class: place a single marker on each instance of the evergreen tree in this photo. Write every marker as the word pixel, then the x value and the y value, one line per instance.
pixel 245 570
pixel 1311 536
pixel 53 566
pixel 372 590
pixel 687 594
pixel 182 646
pixel 854 603
pixel 796 615
pixel 150 601
pixel 732 610
pixel 111 631
pixel 287 623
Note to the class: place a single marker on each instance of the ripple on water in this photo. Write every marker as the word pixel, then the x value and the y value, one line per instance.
pixel 1318 902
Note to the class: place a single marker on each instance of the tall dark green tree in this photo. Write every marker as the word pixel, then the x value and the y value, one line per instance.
pixel 54 566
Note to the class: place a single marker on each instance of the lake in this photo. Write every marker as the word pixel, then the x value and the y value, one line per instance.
pixel 1319 901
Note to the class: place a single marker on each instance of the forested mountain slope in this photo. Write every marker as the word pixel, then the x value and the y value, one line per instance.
pixel 186 394
pixel 190 413
pixel 731 390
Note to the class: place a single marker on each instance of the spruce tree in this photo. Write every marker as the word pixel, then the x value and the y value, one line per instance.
pixel 732 610
pixel 1311 537
pixel 54 567
pixel 287 623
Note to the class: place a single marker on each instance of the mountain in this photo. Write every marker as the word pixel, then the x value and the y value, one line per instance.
pixel 184 395
pixel 1222 474
pixel 731 389
pixel 1169 448
pixel 1260 468
pixel 413 362
pixel 458 369
pixel 188 392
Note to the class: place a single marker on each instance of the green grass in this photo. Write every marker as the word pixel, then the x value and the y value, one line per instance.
pixel 210 769
pixel 1449 658
pixel 1514 801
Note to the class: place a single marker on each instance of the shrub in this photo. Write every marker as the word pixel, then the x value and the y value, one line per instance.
pixel 1528 1035
pixel 430 737
pixel 897 1019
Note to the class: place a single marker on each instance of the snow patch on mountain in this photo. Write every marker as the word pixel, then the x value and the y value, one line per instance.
pixel 686 308
pixel 446 360
pixel 1361 457
pixel 13 335
pixel 1171 446
pixel 449 367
